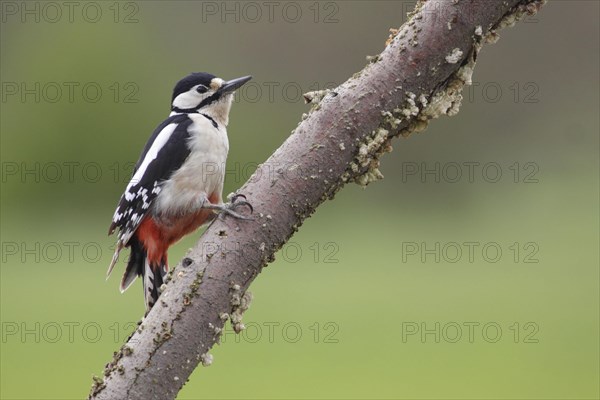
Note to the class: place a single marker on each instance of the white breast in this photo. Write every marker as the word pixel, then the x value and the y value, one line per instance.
pixel 203 172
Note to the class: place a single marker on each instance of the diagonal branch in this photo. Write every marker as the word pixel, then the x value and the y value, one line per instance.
pixel 418 77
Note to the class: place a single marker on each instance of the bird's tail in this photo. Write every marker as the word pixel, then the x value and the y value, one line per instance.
pixel 153 272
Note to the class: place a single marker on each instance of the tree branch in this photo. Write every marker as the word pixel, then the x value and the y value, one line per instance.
pixel 419 76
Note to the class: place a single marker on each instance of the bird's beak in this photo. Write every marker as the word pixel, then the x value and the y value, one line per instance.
pixel 230 86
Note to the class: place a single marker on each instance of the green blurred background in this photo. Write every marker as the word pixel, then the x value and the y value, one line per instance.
pixel 371 299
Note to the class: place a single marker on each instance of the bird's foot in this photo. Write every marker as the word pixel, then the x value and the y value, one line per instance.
pixel 234 203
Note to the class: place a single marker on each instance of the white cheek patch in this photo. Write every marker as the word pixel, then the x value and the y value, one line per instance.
pixel 216 83
pixel 189 99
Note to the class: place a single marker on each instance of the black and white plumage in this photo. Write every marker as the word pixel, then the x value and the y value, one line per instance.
pixel 178 180
pixel 164 153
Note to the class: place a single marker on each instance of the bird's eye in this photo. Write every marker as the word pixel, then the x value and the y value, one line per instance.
pixel 201 89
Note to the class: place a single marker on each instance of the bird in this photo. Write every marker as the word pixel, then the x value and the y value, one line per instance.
pixel 177 183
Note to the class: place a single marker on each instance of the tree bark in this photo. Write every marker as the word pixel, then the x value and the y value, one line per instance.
pixel 419 76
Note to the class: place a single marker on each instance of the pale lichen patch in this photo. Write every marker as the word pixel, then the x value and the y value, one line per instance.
pixel 393 33
pixel 206 359
pixel 368 157
pixel 315 97
pixel 410 108
pixel 520 12
pixel 447 101
pixel 371 146
pixel 97 385
pixel 391 119
pixel 511 18
pixel 372 175
pixel 454 56
pixel 492 37
pixel 373 59
pixel 239 307
pixel 444 102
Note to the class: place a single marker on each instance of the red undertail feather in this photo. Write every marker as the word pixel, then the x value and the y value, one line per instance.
pixel 149 246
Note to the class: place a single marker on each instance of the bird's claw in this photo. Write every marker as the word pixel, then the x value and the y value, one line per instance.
pixel 244 202
pixel 229 208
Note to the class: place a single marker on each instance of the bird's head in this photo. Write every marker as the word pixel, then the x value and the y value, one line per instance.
pixel 205 93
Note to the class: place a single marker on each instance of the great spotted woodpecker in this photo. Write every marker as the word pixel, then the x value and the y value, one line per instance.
pixel 177 182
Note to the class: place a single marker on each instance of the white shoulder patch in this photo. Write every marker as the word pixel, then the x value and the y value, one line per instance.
pixel 162 138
